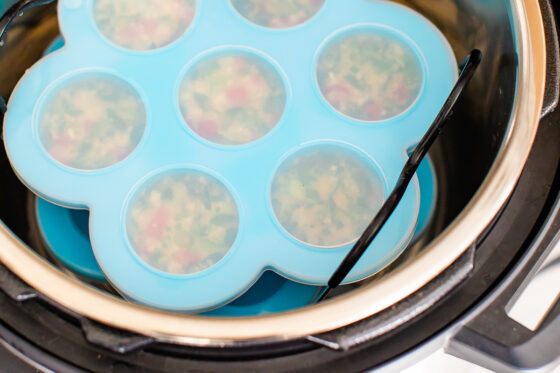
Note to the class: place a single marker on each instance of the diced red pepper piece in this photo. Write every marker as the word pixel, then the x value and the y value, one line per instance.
pixel 373 111
pixel 337 88
pixel 207 128
pixel 149 24
pixel 338 93
pixel 186 257
pixel 158 223
pixel 401 94
pixel 237 96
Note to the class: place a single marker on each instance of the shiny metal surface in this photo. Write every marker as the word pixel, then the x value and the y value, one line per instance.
pixel 489 145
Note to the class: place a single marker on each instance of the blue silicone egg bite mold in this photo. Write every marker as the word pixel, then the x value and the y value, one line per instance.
pixel 211 141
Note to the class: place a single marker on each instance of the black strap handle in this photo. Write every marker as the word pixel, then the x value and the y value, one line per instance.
pixel 468 68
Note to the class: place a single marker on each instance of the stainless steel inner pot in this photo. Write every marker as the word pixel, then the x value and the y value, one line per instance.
pixel 479 160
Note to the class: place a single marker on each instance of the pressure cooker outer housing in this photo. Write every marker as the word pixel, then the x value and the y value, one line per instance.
pixel 497 125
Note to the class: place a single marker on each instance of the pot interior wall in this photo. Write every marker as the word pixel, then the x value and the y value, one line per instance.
pixel 463 154
pixel 469 145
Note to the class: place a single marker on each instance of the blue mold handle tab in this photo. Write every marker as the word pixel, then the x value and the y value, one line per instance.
pixel 188 145
pixel 66 235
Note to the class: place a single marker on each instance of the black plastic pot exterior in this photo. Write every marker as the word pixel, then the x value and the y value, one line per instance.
pixel 461 302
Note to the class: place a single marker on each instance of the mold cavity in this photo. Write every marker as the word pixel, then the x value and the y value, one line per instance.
pixel 369 73
pixel 232 97
pixel 182 222
pixel 278 14
pixel 91 121
pixel 325 195
pixel 143 25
